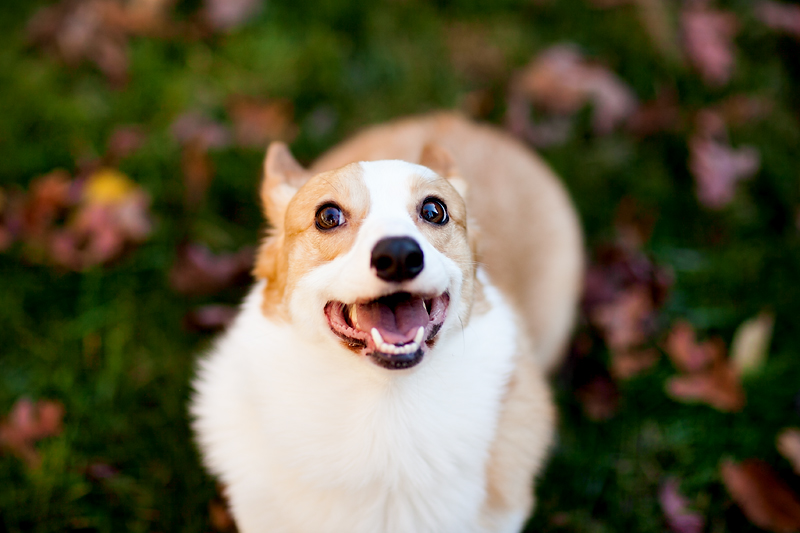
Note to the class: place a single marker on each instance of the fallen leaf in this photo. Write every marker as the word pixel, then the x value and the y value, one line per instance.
pixel 210 317
pixel 708 36
pixel 675 506
pixel 718 387
pixel 686 353
pixel 778 16
pixel 123 142
pixel 192 127
pixel 256 123
pixel 28 423
pixel 788 444
pixel 660 115
pixel 750 345
pixel 764 498
pixel 225 15
pixel 197 271
pixel 717 167
pixel 623 291
pixel 707 376
pixel 561 82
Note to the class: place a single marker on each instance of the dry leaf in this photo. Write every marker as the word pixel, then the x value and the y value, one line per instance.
pixel 750 345
pixel 196 128
pixel 472 53
pixel 599 398
pixel 197 271
pixel 686 353
pixel 123 142
pixel 623 290
pixel 707 376
pixel 717 167
pixel 781 17
pixel 561 82
pixel 656 116
pixel 225 15
pixel 210 318
pixel 763 497
pixel 788 444
pixel 27 423
pixel 708 36
pixel 256 123
pixel 679 518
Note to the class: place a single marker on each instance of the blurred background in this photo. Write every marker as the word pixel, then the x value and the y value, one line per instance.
pixel 131 139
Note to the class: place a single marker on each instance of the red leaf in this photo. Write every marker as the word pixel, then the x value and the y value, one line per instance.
pixel 561 82
pixel 763 497
pixel 210 317
pixel 708 41
pixel 708 377
pixel 224 15
pixel 256 123
pixel 675 507
pixel 27 423
pixel 784 18
pixel 197 271
pixel 716 166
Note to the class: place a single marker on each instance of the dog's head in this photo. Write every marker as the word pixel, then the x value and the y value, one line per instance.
pixel 374 256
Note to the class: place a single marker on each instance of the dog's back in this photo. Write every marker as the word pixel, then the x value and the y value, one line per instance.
pixel 529 234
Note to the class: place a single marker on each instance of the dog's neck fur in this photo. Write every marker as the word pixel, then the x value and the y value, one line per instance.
pixel 320 426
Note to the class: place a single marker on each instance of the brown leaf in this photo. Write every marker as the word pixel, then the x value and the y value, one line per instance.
pixel 561 82
pixel 656 116
pixel 679 518
pixel 197 271
pixel 630 363
pixel 686 353
pixel 123 142
pixel 196 128
pixel 225 15
pixel 763 497
pixel 599 398
pixel 716 166
pixel 750 344
pixel 781 17
pixel 88 30
pixel 27 423
pixel 210 317
pixel 708 36
pixel 256 123
pixel 788 444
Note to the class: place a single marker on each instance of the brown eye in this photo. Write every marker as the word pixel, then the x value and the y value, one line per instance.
pixel 329 216
pixel 434 211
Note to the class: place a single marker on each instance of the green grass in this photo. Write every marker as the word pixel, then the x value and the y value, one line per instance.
pixel 109 343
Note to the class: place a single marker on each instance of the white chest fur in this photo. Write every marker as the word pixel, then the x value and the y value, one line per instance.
pixel 314 440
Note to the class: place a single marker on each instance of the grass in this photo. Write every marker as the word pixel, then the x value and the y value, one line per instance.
pixel 108 342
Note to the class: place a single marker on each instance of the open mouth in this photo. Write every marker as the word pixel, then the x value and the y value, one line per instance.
pixel 395 331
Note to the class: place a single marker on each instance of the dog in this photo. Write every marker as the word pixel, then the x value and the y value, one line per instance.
pixel 386 373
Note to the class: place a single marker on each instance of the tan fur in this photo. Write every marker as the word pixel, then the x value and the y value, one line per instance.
pixel 294 246
pixel 532 246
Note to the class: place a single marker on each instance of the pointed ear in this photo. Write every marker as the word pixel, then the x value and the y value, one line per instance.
pixel 440 161
pixel 283 175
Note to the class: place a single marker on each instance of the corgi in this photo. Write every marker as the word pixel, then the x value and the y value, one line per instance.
pixel 387 371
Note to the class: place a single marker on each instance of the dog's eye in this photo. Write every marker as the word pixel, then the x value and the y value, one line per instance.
pixel 329 216
pixel 434 211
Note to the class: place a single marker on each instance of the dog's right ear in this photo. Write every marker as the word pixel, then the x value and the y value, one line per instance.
pixel 440 161
pixel 283 175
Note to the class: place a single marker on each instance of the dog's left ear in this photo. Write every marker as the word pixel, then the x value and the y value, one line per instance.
pixel 283 175
pixel 440 161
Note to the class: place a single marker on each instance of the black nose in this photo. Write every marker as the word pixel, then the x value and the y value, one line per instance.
pixel 397 259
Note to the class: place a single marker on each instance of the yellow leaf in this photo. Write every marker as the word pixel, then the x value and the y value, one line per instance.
pixel 108 186
pixel 750 343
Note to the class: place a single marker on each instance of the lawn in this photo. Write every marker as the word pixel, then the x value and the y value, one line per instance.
pixel 131 140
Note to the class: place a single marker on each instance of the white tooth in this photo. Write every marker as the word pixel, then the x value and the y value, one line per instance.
pixel 376 336
pixel 419 336
pixel 354 316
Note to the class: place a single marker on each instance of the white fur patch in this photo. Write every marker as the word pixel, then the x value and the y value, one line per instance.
pixel 310 437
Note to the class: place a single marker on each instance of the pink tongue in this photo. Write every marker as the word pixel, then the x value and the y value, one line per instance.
pixel 397 323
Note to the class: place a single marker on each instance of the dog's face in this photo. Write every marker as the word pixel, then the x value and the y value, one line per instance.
pixel 372 257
